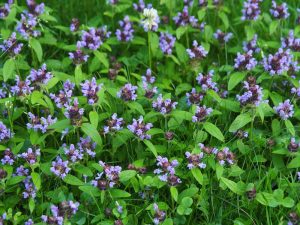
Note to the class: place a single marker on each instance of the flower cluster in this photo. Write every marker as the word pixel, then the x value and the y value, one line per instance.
pixel 74 26
pixel 163 106
pixel 114 124
pixel 197 52
pixel 195 160
pixel 291 42
pixel 34 8
pixel 93 38
pixel 78 57
pixel 293 145
pixel 40 76
pixel 86 145
pixel 166 171
pixel 296 91
pixel 140 6
pixel 127 93
pixel 251 10
pixel 206 81
pixel 183 18
pixel 147 81
pixel 74 113
pixel 166 43
pixel 72 153
pixel 41 124
pixel 194 97
pixel 125 33
pixel 201 113
pixel 224 156
pixel 285 109
pixel 253 94
pixel 30 189
pixel 60 168
pixel 4 11
pixel 27 26
pixel 8 157
pixel 139 128
pixel 63 99
pixel 108 178
pixel 251 45
pixel 31 156
pixel 245 61
pixel 90 89
pixel 159 215
pixel 222 37
pixel 279 11
pixel 151 21
pixel 11 45
pixel 5 133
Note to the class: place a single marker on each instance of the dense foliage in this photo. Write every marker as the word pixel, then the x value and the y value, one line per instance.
pixel 157 112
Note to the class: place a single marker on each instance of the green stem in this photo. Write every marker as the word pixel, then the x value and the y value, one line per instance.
pixel 149 50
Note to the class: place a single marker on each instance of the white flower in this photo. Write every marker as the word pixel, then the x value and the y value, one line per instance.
pixel 151 19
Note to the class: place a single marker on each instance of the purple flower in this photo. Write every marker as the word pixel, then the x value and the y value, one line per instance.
pixel 197 52
pixel 188 3
pixel 4 11
pixel 163 106
pixel 202 3
pixel 140 6
pixel 8 157
pixel 128 92
pixel 27 26
pixel 60 168
pixel 207 150
pixel 241 134
pixel 253 94
pixel 108 178
pixel 29 222
pixel 35 9
pixel 166 171
pixel 166 43
pixel 148 78
pixel 87 145
pixel 251 10
pixel 285 109
pixel 5 133
pixel 11 45
pixel 293 145
pixel 78 57
pixel 139 128
pixel 73 154
pixel 93 38
pixel 183 18
pixel 159 215
pixel 278 63
pixel 113 2
pixel 63 99
pixel 30 189
pixel 279 11
pixel 296 91
pixel 74 26
pixel 245 61
pixel 42 123
pixel 22 87
pixel 31 156
pixel 291 42
pixel 195 160
pixel 206 81
pixel 90 90
pixel 57 218
pixel 125 33
pixel 74 113
pixel 114 124
pixel 251 45
pixel 201 113
pixel 222 37
pixel 40 76
pixel 147 81
pixel 21 171
pixel 224 156
pixel 194 97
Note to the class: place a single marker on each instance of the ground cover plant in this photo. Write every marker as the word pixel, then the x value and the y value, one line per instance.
pixel 157 112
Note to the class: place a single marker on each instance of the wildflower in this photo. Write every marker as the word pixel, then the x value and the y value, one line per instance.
pixel 42 123
pixel 73 154
pixel 94 38
pixel 251 45
pixel 148 78
pixel 63 99
pixel 21 171
pixel 140 6
pixel 90 90
pixel 166 43
pixel 108 178
pixel 114 124
pixel 128 92
pixel 40 76
pixel 159 215
pixel 166 171
pixel 224 156
pixel 291 42
pixel 183 18
pixel 74 113
pixel 251 194
pixel 201 113
pixel 138 169
pixel 113 2
pixel 78 57
pixel 296 91
pixel 60 168
pixel 197 52
pixel 241 134
pixel 147 81
pixel 279 63
pixel 22 87
pixel 114 70
pixel 139 128
pixel 151 21
pixel 4 11
pixel 74 26
pixel 169 135
pixel 195 160
pixel 29 222
pixel 31 155
pixel 279 11
pixel 5 133
pixel 245 61
pixel 68 208
pixel 194 97
pixel 30 189
pixel 222 37
pixel 203 3
pixel 11 45
pixel 253 94
pixel 35 9
pixel 251 10
pixel 3 174
pixel 207 150
pixel 8 157
pixel 125 33
pixel 27 26
pixel 163 106
pixel 56 218
pixel 293 145
pixel 285 109
pixel 207 82
pixel 87 145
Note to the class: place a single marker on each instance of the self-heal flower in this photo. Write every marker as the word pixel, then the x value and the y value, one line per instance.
pixel 60 168
pixel 30 189
pixel 56 218
pixel 183 18
pixel 8 157
pixel 140 6
pixel 202 112
pixel 40 76
pixel 147 81
pixel 21 171
pixel 291 42
pixel 74 113
pixel 194 97
pixel 5 133
pixel 224 156
pixel 78 57
pixel 35 9
pixel 139 128
pixel 285 109
pixel 29 222
pixel 4 11
pixel 293 145
pixel 206 81
pixel 251 10
pixel 63 99
pixel 90 90
pixel 21 88
pixel 128 92
pixel 251 45
pixel 159 215
pixel 296 90
pixel 222 37
pixel 125 33
pixel 166 171
pixel 74 26
pixel 41 124
pixel 197 52
pixel 31 156
pixel 279 11
pixel 166 43
pixel 151 21
pixel 245 61
pixel 114 124
pixel 163 106
pixel 253 94
pixel 94 38
pixel 73 154
pixel 11 45
pixel 27 26
pixel 195 160
pixel 86 145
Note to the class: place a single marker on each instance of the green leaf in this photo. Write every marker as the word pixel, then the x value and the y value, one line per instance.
pixel 154 43
pixel 78 75
pixel 36 178
pixel 190 192
pixel 213 130
pixel 91 190
pixel 290 127
pixel 31 204
pixel 266 199
pixel 15 180
pixel 198 175
pixel 174 193
pixel 9 70
pixel 273 26
pixel 224 19
pixel 126 175
pixel 180 31
pixel 102 58
pixel 295 163
pixel 72 180
pixel 117 193
pixel 181 53
pixel 214 95
pixel 231 185
pixel 151 147
pixel 137 107
pixel 92 132
pixel 240 121
pixel 94 118
pixel 235 79
pixel 37 48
